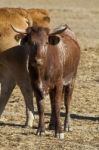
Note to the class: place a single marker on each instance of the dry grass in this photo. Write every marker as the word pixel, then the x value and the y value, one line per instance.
pixel 83 17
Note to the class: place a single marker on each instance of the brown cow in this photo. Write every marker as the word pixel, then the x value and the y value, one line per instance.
pixel 53 66
pixel 11 66
pixel 14 69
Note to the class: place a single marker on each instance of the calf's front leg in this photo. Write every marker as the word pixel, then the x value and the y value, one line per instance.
pixel 41 125
pixel 56 102
pixel 68 90
pixel 52 118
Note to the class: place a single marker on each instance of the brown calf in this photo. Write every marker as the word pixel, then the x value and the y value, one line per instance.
pixel 53 66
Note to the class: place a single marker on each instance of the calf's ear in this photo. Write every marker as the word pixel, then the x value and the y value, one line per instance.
pixel 53 39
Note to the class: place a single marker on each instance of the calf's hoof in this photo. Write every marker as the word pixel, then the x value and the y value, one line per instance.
pixel 40 131
pixel 68 128
pixel 60 136
pixel 51 126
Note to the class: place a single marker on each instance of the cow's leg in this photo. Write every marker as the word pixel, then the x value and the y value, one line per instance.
pixel 52 119
pixel 57 94
pixel 25 85
pixel 68 90
pixel 7 86
pixel 0 88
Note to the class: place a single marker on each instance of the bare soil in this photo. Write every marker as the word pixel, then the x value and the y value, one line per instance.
pixel 83 17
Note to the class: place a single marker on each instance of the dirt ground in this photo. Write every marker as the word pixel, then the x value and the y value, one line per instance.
pixel 83 17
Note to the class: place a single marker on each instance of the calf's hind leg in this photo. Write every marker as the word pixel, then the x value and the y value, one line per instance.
pixel 56 95
pixel 52 119
pixel 68 90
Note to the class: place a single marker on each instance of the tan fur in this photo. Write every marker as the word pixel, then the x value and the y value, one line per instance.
pixel 13 14
pixel 10 16
pixel 18 17
pixel 40 16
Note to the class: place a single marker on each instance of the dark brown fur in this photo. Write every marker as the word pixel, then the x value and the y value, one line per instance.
pixel 14 70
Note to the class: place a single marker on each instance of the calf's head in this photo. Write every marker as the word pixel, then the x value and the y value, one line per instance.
pixel 37 41
pixel 38 38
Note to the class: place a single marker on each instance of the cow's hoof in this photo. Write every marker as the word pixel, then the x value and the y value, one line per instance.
pixel 30 119
pixel 30 125
pixel 26 126
pixel 60 136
